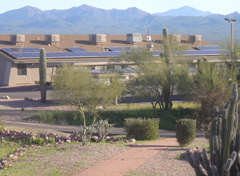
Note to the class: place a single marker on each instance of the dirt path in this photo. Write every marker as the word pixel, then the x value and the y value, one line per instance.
pixel 130 159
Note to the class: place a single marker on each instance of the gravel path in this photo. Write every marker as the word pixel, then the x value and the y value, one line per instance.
pixel 162 157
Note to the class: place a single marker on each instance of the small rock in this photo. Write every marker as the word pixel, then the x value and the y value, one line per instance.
pixel 68 141
pixel 14 157
pixel 4 162
pixel 94 138
pixel 132 140
pixel 107 137
pixel 11 156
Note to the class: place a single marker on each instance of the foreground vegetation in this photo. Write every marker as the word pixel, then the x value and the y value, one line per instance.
pixel 71 158
pixel 119 114
pixel 64 159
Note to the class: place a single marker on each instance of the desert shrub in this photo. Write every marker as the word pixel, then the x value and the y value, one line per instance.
pixel 185 131
pixel 117 117
pixel 60 117
pixel 141 129
pixel 37 141
pixel 51 140
pixel 2 125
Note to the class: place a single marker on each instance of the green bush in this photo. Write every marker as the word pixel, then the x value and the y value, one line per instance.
pixel 51 140
pixel 117 117
pixel 37 141
pixel 141 129
pixel 2 125
pixel 185 131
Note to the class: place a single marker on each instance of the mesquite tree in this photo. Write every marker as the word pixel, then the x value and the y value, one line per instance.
pixel 42 74
pixel 224 142
pixel 77 87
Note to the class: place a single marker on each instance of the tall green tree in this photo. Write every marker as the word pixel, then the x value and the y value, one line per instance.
pixel 43 74
pixel 231 59
pixel 172 52
pixel 149 78
pixel 210 86
pixel 75 86
pixel 155 76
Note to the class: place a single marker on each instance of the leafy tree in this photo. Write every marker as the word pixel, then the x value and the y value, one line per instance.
pixel 155 77
pixel 74 85
pixel 231 61
pixel 209 86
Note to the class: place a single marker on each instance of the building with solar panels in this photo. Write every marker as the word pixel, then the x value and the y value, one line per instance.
pixel 19 60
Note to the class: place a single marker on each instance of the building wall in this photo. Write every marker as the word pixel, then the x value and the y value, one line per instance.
pixel 5 68
pixel 32 76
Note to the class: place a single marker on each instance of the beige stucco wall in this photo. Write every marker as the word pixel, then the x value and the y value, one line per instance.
pixel 5 67
pixel 32 75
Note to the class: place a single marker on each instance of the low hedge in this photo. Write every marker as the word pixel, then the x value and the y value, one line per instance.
pixel 141 129
pixel 185 131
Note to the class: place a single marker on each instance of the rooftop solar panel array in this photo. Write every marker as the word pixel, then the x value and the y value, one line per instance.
pixel 208 47
pixel 77 52
pixel 120 49
pixel 26 50
pixel 34 55
pixel 75 49
pixel 205 52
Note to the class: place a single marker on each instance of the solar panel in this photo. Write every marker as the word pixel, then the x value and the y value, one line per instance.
pixel 33 53
pixel 209 47
pixel 156 53
pixel 32 50
pixel 202 52
pixel 26 55
pixel 119 49
pixel 75 49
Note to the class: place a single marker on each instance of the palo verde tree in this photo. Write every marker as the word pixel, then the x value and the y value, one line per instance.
pixel 210 86
pixel 150 76
pixel 75 86
pixel 155 76
pixel 42 74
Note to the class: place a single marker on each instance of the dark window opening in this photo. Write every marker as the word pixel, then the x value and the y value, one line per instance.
pixel 22 69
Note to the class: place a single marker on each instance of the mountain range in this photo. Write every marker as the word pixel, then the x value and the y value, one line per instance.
pixel 87 19
pixel 184 11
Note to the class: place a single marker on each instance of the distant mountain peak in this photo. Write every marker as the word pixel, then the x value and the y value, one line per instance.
pixel 184 11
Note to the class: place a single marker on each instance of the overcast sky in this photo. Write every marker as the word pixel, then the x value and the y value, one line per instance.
pixel 151 6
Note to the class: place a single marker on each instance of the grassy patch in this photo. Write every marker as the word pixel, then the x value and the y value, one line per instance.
pixel 135 173
pixel 8 147
pixel 33 164
pixel 119 113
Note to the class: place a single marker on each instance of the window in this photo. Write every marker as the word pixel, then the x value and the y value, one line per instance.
pixel 22 69
pixel 110 67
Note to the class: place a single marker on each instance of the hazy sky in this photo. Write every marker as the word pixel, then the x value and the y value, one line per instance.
pixel 151 6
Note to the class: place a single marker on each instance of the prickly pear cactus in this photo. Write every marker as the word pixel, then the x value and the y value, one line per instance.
pixel 224 143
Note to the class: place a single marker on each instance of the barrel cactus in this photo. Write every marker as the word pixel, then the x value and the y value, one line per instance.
pixel 224 143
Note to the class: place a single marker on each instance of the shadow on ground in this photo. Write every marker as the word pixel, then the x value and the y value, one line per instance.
pixel 24 103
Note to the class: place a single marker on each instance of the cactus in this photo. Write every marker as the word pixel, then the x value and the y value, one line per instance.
pixel 224 142
pixel 42 74
pixel 166 45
